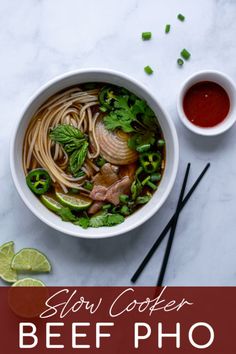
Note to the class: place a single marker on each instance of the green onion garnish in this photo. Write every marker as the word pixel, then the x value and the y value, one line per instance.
pixel 180 62
pixel 181 17
pixel 148 70
pixel 146 36
pixel 185 54
pixel 167 29
pixel 103 109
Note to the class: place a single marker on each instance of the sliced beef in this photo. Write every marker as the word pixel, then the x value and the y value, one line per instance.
pixel 106 176
pixel 108 186
pixel 128 170
pixel 95 207
pixel 98 193
pixel 120 187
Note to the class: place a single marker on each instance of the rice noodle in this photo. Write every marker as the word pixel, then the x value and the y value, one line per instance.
pixel 73 106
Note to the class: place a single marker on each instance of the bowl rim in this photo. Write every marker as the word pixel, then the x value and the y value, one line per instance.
pixel 225 124
pixel 116 231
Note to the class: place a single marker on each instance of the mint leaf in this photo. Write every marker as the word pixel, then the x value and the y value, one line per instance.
pixel 77 158
pixel 70 137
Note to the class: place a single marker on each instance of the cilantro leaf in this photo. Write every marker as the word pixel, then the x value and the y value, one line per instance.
pixel 98 220
pixel 83 222
pixel 138 139
pixel 66 215
pixel 106 219
pixel 114 219
pixel 130 114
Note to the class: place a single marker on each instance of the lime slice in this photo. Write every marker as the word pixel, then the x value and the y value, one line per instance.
pixel 29 282
pixel 50 203
pixel 30 260
pixel 74 202
pixel 6 256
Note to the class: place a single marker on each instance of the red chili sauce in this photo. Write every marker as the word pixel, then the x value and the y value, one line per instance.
pixel 206 104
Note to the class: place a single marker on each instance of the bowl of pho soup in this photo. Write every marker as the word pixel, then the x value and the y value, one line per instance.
pixel 94 154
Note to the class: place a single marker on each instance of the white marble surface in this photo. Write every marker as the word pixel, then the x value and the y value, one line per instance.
pixel 42 38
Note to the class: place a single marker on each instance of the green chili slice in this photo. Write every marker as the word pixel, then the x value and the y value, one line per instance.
pixel 106 97
pixel 150 161
pixel 38 181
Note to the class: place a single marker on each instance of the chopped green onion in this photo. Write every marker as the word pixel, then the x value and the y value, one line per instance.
pixel 145 181
pixel 155 177
pixel 181 17
pixel 143 148
pixel 161 143
pixel 148 70
pixel 185 54
pixel 138 171
pixel 146 36
pixel 167 29
pixel 103 109
pixel 106 206
pixel 152 185
pixel 124 198
pixel 180 62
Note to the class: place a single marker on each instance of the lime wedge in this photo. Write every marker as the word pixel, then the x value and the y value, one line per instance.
pixel 50 203
pixel 6 256
pixel 29 282
pixel 30 260
pixel 78 202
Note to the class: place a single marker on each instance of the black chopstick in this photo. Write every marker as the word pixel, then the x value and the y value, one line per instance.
pixel 167 228
pixel 173 228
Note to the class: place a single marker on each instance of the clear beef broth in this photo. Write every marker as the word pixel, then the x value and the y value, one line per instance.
pixel 102 153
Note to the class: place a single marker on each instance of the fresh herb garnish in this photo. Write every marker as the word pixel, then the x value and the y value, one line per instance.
pixel 148 70
pixel 100 219
pixel 146 36
pixel 67 215
pixel 77 158
pixel 83 222
pixel 70 137
pixel 142 138
pixel 167 28
pixel 180 62
pixel 75 144
pixel 136 189
pixel 105 219
pixel 185 54
pixel 181 17
pixel 132 115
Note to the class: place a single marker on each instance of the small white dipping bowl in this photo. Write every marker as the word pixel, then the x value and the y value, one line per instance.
pixel 76 78
pixel 229 86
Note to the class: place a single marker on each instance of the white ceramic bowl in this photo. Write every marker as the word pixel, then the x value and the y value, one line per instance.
pixel 229 86
pixel 74 78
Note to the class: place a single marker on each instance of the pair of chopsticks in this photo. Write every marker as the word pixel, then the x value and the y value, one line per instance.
pixel 171 225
